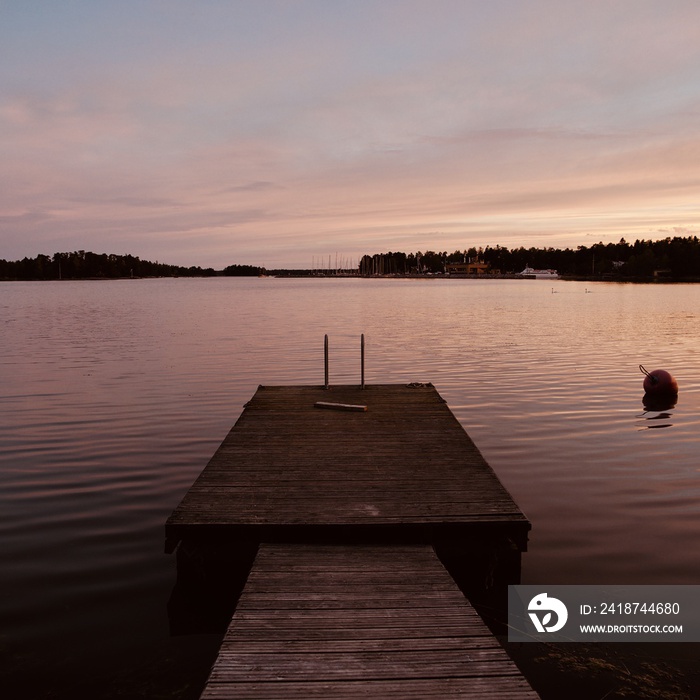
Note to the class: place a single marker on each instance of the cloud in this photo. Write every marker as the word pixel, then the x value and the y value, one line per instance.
pixel 258 186
pixel 284 129
pixel 25 218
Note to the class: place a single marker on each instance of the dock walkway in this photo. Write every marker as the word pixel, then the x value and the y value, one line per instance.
pixel 358 622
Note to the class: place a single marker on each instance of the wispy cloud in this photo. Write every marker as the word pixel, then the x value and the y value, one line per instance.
pixel 270 132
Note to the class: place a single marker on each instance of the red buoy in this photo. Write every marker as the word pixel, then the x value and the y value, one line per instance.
pixel 659 382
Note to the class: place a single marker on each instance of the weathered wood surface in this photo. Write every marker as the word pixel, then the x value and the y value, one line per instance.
pixel 320 621
pixel 287 470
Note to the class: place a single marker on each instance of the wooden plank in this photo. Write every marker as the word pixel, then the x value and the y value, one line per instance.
pixel 405 462
pixel 399 689
pixel 451 643
pixel 340 406
pixel 350 638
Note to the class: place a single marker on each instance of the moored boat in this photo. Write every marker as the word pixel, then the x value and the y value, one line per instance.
pixel 531 273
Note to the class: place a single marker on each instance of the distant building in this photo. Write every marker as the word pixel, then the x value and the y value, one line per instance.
pixel 471 269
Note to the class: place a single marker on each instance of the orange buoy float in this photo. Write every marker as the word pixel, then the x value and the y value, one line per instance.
pixel 659 382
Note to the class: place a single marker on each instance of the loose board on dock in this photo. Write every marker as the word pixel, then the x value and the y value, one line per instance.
pixel 358 622
pixel 402 470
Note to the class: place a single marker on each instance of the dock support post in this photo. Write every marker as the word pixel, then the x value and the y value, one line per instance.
pixel 210 577
pixel 362 361
pixel 325 360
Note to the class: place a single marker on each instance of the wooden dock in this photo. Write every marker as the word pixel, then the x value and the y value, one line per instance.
pixel 403 470
pixel 319 621
pixel 347 502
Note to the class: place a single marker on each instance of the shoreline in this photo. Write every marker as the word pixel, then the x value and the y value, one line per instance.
pixel 296 274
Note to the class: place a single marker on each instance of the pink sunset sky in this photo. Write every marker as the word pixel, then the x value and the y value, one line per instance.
pixel 279 132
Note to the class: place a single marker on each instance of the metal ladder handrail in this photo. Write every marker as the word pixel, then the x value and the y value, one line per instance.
pixel 326 383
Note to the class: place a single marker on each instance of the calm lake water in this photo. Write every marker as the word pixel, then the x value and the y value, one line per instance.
pixel 115 394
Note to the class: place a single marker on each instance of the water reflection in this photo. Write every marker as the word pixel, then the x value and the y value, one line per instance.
pixel 654 402
pixel 116 394
pixel 657 410
pixel 660 416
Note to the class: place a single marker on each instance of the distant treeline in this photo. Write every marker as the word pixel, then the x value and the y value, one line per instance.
pixel 676 257
pixel 243 271
pixel 85 265
pixel 673 258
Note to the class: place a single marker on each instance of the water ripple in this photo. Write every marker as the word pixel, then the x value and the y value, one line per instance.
pixel 115 394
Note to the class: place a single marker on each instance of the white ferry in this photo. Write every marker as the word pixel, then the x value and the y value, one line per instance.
pixel 540 274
